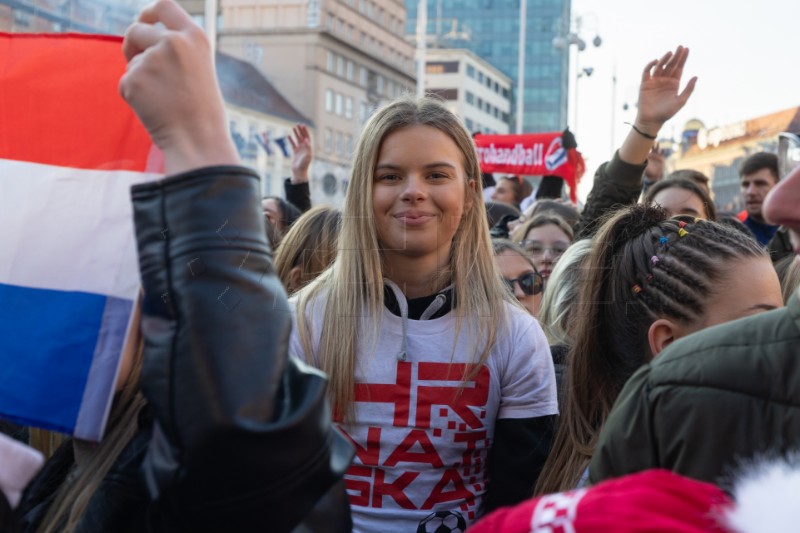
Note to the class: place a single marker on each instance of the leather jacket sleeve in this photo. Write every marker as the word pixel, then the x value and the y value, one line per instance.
pixel 243 438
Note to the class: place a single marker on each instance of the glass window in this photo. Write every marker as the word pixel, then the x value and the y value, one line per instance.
pixel 329 101
pixel 339 104
pixel 339 143
pixel 350 147
pixel 468 123
pixel 331 61
pixel 351 68
pixel 480 77
pixel 340 66
pixel 470 71
pixel 363 112
pixel 362 76
pixel 379 84
pixel 348 107
pixel 328 140
pixel 470 98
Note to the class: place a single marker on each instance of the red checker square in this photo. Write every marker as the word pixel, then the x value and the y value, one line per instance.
pixel 471 515
pixel 443 411
pixel 464 506
pixel 451 424
pixel 478 462
pixel 483 414
pixel 462 427
pixel 473 479
pixel 437 432
pixel 477 487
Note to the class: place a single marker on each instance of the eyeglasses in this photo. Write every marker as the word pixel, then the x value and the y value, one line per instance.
pixel 535 248
pixel 788 153
pixel 531 283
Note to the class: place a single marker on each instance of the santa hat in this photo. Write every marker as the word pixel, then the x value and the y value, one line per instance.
pixel 653 501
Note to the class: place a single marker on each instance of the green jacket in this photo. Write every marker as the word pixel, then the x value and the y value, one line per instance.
pixel 709 401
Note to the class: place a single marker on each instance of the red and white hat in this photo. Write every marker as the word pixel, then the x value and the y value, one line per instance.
pixel 652 501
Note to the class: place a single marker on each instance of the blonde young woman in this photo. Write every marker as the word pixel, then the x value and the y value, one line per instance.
pixel 435 371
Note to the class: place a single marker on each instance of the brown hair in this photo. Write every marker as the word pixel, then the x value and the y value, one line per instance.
pixel 542 220
pixel 310 244
pixel 625 292
pixel 688 185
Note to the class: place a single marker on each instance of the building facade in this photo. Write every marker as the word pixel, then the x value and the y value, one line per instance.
pixel 87 16
pixel 472 88
pixel 717 152
pixel 258 114
pixel 490 29
pixel 334 60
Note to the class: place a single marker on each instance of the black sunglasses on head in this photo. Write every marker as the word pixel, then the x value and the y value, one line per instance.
pixel 531 283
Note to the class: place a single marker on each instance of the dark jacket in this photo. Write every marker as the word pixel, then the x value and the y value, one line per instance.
pixel 235 436
pixel 709 401
pixel 616 183
pixel 298 194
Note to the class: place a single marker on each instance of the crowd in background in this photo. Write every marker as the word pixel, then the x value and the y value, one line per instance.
pixel 457 350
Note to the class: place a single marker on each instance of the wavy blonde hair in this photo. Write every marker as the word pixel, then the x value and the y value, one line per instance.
pixel 353 285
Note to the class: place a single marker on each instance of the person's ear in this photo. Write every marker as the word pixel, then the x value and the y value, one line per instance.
pixel 470 193
pixel 661 334
pixel 294 278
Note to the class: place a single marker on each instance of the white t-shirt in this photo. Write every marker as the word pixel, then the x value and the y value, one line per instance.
pixel 422 440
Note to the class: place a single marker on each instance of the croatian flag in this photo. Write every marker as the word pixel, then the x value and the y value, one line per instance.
pixel 70 149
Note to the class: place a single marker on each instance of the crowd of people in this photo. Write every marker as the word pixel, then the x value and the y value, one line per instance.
pixel 426 359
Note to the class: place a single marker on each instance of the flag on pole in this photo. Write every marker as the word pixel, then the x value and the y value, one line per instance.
pixel 281 142
pixel 263 141
pixel 70 149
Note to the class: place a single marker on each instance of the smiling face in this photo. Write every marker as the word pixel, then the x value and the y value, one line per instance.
pixel 679 201
pixel 545 244
pixel 419 194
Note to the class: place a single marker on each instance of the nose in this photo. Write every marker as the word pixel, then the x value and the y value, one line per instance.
pixel 415 189
pixel 782 205
pixel 547 255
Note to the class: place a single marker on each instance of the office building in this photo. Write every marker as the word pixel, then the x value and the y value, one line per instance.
pixel 490 29
pixel 718 151
pixel 334 60
pixel 472 88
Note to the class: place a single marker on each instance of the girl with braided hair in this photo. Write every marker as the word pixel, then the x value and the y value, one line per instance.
pixel 653 280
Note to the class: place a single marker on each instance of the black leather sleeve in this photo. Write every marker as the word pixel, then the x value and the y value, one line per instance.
pixel 243 438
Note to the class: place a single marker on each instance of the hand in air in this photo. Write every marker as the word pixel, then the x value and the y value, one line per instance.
pixel 171 84
pixel 660 97
pixel 302 153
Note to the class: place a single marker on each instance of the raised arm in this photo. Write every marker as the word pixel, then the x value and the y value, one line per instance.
pixel 296 187
pixel 619 181
pixel 242 434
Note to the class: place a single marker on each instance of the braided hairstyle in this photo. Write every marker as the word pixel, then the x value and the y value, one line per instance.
pixel 643 266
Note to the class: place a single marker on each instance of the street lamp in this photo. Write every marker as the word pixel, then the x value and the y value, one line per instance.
pixel 563 43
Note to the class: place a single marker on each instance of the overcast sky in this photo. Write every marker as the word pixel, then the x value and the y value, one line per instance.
pixel 746 55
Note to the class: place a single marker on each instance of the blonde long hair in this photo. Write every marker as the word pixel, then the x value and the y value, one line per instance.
pixel 72 499
pixel 354 284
